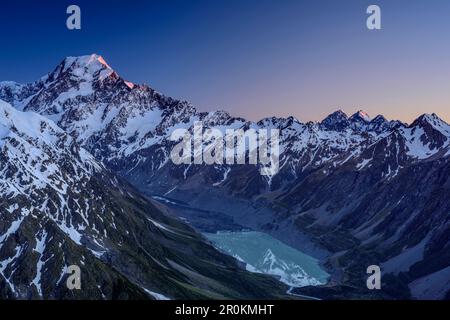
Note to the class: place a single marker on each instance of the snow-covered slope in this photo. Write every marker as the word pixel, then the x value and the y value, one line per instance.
pixel 330 171
pixel 127 126
pixel 32 145
pixel 60 207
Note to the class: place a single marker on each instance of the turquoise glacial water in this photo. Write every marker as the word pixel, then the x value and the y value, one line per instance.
pixel 265 254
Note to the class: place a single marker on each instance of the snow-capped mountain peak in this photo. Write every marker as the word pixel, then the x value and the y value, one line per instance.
pixel 94 61
pixel 279 123
pixel 338 121
pixel 379 119
pixel 87 68
pixel 338 114
pixel 361 116
pixel 434 121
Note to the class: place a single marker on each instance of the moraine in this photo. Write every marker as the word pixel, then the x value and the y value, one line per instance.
pixel 264 254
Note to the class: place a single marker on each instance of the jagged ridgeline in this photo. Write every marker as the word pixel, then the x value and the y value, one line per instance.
pixel 365 191
pixel 60 207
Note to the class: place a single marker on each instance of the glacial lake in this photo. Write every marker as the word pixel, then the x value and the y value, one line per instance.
pixel 265 254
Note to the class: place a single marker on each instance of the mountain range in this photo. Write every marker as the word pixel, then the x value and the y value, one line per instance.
pixel 86 161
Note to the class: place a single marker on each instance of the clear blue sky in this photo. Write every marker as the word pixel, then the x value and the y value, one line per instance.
pixel 254 58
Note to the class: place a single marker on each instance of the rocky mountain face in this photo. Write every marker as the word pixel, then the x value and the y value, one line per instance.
pixel 60 207
pixel 351 190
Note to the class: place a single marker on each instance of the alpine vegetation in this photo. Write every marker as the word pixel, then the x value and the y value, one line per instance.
pixel 212 146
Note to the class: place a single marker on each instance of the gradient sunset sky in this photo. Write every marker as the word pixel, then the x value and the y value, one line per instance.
pixel 253 58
